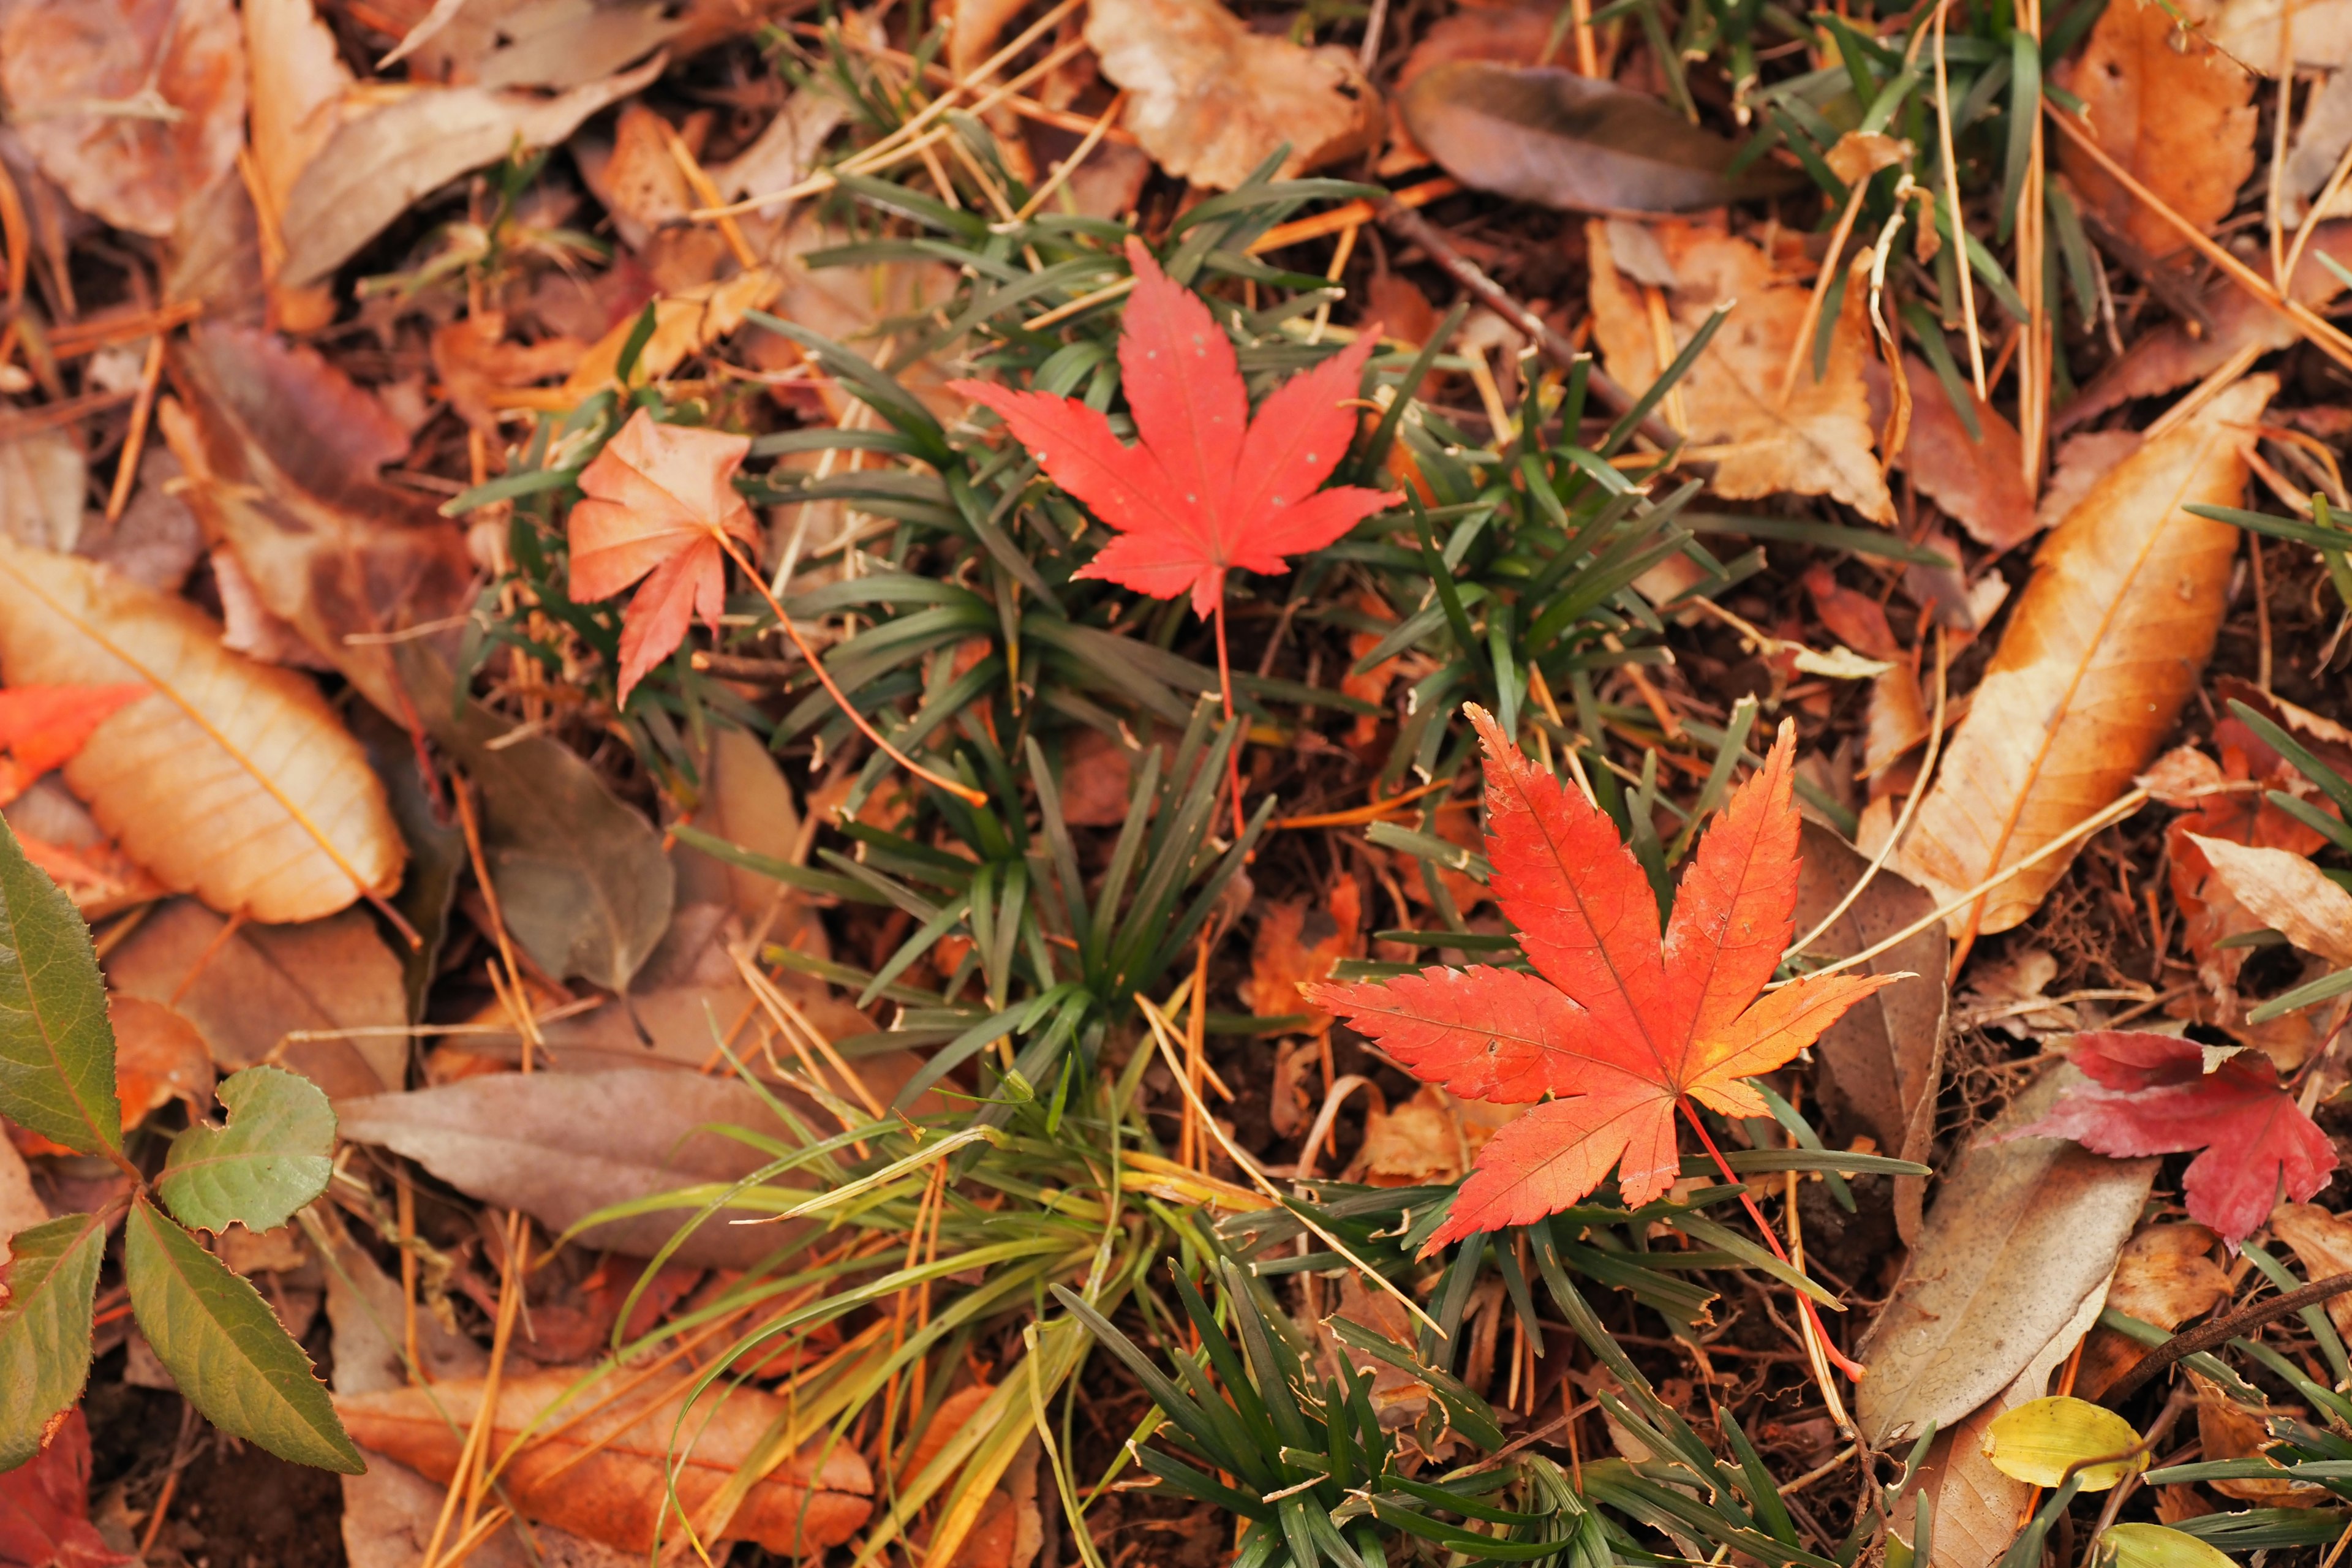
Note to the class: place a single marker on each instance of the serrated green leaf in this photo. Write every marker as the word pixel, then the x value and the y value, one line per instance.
pixel 52 1277
pixel 273 1157
pixel 225 1348
pixel 57 1049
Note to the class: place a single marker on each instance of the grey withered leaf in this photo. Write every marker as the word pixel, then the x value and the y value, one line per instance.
pixel 1541 134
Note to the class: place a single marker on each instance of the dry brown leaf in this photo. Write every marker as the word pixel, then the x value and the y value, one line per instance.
pixel 1431 1138
pixel 2172 109
pixel 2081 462
pixel 2166 1276
pixel 602 1471
pixel 300 87
pixel 1298 941
pixel 2287 893
pixel 281 450
pixel 2229 1431
pixel 323 998
pixel 477 363
pixel 2101 650
pixel 1819 441
pixel 684 323
pixel 132 106
pixel 2323 1242
pixel 376 167
pixel 43 478
pixel 234 782
pixel 1211 100
pixel 1979 481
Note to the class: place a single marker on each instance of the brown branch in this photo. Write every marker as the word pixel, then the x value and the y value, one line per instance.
pixel 2220 1332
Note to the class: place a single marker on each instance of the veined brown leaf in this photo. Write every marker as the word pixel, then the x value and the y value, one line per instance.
pixel 2105 645
pixel 233 781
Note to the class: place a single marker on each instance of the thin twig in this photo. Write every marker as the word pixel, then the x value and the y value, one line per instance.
pixel 2220 1332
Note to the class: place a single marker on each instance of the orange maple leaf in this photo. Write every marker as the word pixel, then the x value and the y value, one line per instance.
pixel 659 496
pixel 41 727
pixel 1615 1029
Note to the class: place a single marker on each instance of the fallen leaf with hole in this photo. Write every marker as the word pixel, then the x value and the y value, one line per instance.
pixel 2023 1235
pixel 1818 441
pixel 1620 1027
pixel 1210 98
pixel 606 1458
pixel 1543 134
pixel 2100 651
pixel 131 106
pixel 657 498
pixel 2172 109
pixel 2157 1094
pixel 231 780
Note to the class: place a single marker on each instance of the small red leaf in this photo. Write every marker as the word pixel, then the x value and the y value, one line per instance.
pixel 1616 1025
pixel 2152 1094
pixel 1206 489
pixel 43 726
pixel 45 1506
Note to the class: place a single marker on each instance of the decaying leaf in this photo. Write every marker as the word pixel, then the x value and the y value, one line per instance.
pixel 2287 893
pixel 1883 1059
pixel 2102 648
pixel 1433 1137
pixel 42 478
pixel 281 450
pixel 1211 100
pixel 2166 1276
pixel 2324 1241
pixel 374 166
pixel 1818 441
pixel 2022 1234
pixel 132 106
pixel 1298 941
pixel 324 997
pixel 232 780
pixel 611 1454
pixel 1978 479
pixel 2169 107
pixel 2227 1430
pixel 560 1146
pixel 1541 134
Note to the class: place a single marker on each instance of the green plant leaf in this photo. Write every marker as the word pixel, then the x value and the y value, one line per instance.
pixel 273 1157
pixel 52 1277
pixel 225 1349
pixel 57 1049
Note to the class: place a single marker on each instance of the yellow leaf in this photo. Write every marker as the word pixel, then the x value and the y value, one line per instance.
pixel 2157 1546
pixel 2041 1440
pixel 234 781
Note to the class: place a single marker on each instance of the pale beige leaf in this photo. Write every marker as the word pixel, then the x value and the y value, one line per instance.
pixel 2287 893
pixel 1211 100
pixel 2102 648
pixel 2248 30
pixel 298 81
pixel 234 782
pixel 374 167
pixel 1818 441
pixel 2174 111
pixel 2323 1242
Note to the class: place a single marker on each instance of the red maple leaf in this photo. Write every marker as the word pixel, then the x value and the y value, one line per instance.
pixel 1614 1026
pixel 659 497
pixel 1207 489
pixel 2155 1094
pixel 43 726
pixel 44 1505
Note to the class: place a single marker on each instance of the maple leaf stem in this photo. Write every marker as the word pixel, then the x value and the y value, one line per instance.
pixel 1234 755
pixel 963 792
pixel 1852 1369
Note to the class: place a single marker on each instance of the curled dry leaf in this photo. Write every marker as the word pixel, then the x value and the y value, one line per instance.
pixel 1431 1137
pixel 232 781
pixel 657 499
pixel 2022 1234
pixel 132 106
pixel 2171 109
pixel 2324 1241
pixel 1541 134
pixel 2100 651
pixel 2226 1430
pixel 1211 100
pixel 1818 441
pixel 374 167
pixel 281 451
pixel 608 1454
pixel 2286 893
pixel 685 323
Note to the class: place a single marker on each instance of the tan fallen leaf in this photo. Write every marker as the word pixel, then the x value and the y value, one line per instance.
pixel 1819 441
pixel 2323 1242
pixel 132 106
pixel 2172 109
pixel 1431 1138
pixel 1211 100
pixel 2248 31
pixel 377 165
pixel 478 364
pixel 299 97
pixel 613 1452
pixel 684 323
pixel 234 782
pixel 42 481
pixel 2287 893
pixel 2229 1431
pixel 2166 1276
pixel 2104 646
pixel 20 1207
